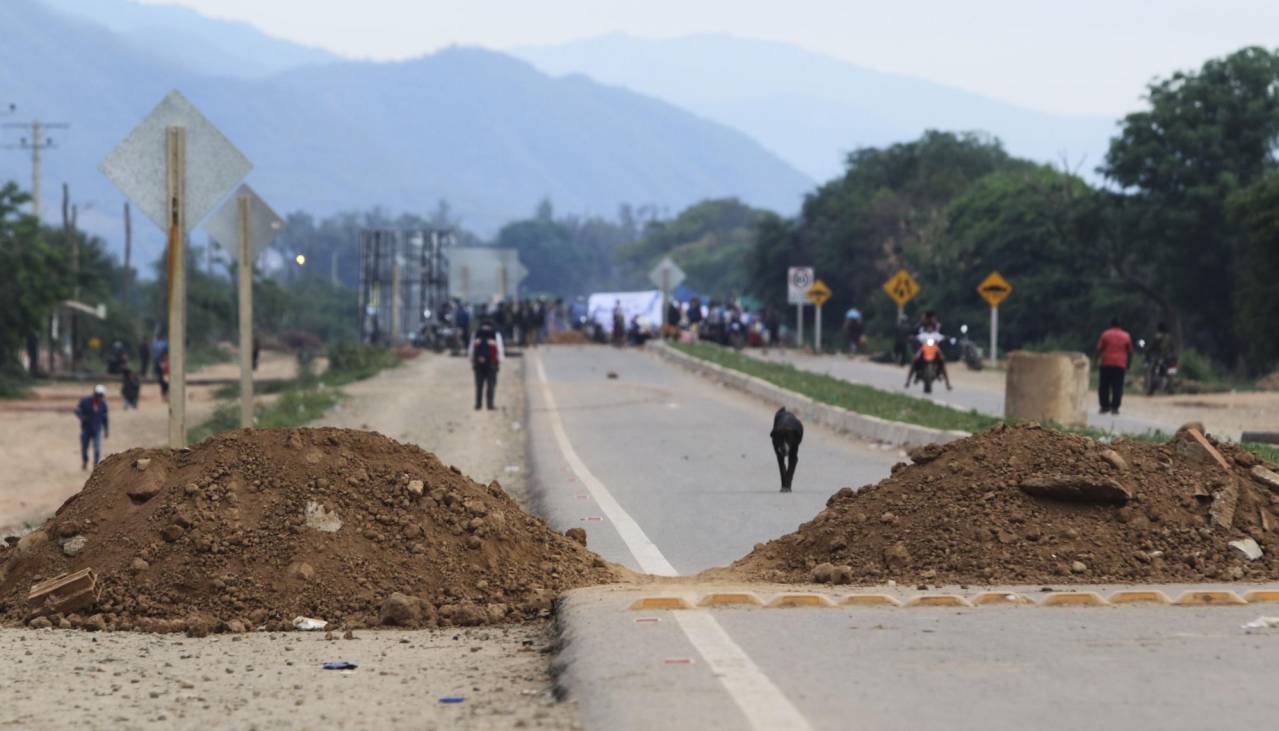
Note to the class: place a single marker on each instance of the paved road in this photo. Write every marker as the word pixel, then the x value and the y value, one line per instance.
pixel 985 669
pixel 983 391
pixel 690 461
pixel 657 456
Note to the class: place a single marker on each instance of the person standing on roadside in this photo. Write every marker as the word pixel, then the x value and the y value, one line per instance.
pixel 486 354
pixel 1113 350
pixel 92 412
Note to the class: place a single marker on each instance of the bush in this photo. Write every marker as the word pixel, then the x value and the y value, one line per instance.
pixel 1196 366
pixel 350 361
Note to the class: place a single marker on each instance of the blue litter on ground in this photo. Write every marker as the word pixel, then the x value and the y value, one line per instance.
pixel 452 699
pixel 340 665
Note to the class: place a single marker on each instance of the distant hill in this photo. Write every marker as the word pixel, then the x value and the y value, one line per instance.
pixel 180 36
pixel 812 109
pixel 484 130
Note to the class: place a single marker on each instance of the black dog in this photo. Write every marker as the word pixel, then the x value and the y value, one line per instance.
pixel 787 433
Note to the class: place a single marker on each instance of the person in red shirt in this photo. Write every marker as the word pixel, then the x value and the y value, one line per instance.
pixel 1113 350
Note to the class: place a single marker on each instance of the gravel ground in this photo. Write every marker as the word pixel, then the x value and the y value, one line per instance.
pixel 66 679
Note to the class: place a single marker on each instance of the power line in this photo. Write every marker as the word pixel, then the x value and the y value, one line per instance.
pixel 37 143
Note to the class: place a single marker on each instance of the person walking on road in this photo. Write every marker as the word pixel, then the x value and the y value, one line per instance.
pixel 92 412
pixel 130 388
pixel 1113 350
pixel 486 354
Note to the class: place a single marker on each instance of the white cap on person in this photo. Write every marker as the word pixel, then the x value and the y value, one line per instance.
pixel 100 390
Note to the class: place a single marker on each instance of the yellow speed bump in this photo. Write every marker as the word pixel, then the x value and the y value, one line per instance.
pixel 1074 599
pixel 939 600
pixel 731 599
pixel 869 600
pixel 800 600
pixel 1002 599
pixel 1261 595
pixel 1208 598
pixel 1140 597
pixel 661 602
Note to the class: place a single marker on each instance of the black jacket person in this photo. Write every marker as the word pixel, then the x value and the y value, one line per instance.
pixel 486 354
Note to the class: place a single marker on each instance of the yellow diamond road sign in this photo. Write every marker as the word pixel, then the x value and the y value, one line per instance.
pixel 902 287
pixel 994 289
pixel 818 293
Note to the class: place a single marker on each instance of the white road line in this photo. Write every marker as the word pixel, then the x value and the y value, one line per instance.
pixel 649 558
pixel 765 706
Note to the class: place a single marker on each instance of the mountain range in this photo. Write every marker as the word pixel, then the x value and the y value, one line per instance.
pixel 813 109
pixel 482 129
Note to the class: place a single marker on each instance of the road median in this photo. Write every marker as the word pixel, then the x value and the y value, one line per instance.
pixel 765 386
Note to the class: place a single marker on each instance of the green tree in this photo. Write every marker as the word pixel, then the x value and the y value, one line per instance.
pixel 858 229
pixel 1206 136
pixel 1255 212
pixel 709 240
pixel 32 279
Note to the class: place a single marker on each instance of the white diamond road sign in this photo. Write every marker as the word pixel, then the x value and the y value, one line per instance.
pixel 137 165
pixel 666 275
pixel 224 224
pixel 798 280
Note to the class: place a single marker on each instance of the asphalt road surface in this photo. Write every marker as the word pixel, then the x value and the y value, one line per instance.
pixel 983 392
pixel 671 474
pixel 690 461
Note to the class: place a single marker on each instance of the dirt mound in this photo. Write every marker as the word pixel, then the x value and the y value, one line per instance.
pixel 1026 504
pixel 255 528
pixel 1269 383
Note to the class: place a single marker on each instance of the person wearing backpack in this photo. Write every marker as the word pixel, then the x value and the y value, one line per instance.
pixel 486 354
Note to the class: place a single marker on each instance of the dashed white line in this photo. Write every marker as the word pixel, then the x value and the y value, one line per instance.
pixel 765 706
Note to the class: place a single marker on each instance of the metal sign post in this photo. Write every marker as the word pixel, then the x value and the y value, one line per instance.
pixel 175 165
pixel 994 289
pixel 798 280
pixel 818 294
pixel 667 276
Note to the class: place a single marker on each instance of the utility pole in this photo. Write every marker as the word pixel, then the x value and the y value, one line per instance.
pixel 37 143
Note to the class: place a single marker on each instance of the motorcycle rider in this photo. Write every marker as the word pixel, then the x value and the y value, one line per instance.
pixel 1159 353
pixel 929 327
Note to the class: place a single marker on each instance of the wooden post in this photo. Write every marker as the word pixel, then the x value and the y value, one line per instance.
pixel 246 313
pixel 128 255
pixel 175 168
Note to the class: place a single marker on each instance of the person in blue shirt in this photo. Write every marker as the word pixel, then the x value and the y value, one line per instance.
pixel 94 427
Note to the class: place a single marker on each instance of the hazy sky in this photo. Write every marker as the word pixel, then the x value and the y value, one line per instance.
pixel 1080 56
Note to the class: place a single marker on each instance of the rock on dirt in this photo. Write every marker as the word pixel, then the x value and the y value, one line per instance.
pixel 962 514
pixel 1246 548
pixel 226 538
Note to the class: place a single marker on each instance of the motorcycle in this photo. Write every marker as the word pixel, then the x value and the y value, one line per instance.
pixel 929 369
pixel 969 351
pixel 1161 375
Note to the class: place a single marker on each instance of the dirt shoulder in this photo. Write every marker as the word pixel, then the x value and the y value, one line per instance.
pixel 40 444
pixel 69 679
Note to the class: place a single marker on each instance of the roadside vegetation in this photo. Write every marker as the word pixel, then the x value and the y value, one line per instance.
pixel 852 396
pixel 302 399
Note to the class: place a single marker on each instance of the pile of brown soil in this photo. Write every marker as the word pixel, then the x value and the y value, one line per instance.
pixel 255 528
pixel 975 512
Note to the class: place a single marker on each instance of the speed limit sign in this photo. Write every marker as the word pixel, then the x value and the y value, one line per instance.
pixel 798 282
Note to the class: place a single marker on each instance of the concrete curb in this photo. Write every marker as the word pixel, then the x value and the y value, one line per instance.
pixel 896 433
